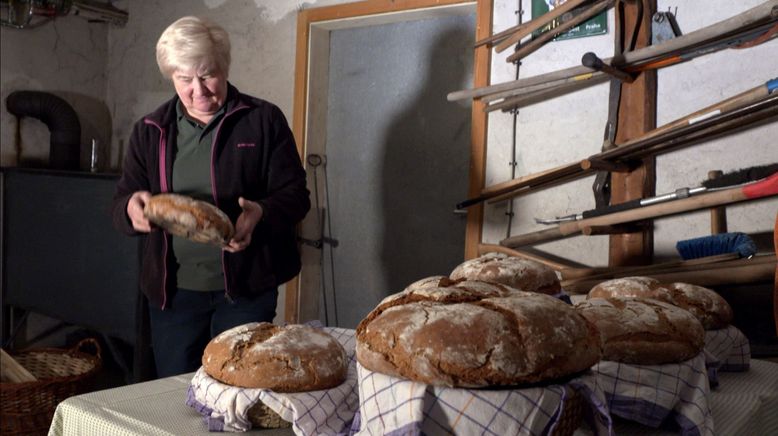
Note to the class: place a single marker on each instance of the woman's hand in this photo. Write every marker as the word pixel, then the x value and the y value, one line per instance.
pixel 244 226
pixel 135 207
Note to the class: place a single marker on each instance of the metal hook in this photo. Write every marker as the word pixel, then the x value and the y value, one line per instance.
pixel 315 160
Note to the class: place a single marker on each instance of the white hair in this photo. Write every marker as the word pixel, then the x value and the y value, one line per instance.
pixel 193 42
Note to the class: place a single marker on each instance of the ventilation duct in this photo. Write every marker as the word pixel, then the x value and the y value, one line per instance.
pixel 59 117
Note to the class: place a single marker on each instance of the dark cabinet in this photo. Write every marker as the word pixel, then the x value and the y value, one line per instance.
pixel 62 258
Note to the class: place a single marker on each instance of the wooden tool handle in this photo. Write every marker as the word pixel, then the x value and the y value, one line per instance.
pixel 536 43
pixel 517 33
pixel 762 12
pixel 767 187
pixel 489 248
pixel 734 102
pixel 12 370
pixel 734 272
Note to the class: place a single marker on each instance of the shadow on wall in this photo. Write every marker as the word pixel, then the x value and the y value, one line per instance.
pixel 31 142
pixel 425 171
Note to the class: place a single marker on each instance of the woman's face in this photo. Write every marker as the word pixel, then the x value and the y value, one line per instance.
pixel 202 92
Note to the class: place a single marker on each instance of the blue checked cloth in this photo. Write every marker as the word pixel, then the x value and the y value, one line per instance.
pixel 328 411
pixel 649 394
pixel 726 349
pixel 395 406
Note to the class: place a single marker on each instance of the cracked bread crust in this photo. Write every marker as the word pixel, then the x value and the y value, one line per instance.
pixel 293 358
pixel 710 308
pixel 184 216
pixel 644 331
pixel 707 305
pixel 522 274
pixel 475 334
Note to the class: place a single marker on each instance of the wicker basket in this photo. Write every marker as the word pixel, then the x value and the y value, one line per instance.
pixel 262 416
pixel 572 414
pixel 27 408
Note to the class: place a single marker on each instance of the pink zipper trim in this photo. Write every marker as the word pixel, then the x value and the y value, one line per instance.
pixel 164 188
pixel 213 183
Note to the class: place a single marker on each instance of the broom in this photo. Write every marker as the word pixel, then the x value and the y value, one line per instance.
pixel 734 242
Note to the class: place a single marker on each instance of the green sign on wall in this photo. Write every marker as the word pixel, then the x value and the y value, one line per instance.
pixel 597 25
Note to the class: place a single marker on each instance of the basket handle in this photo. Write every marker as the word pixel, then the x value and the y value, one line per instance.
pixel 88 343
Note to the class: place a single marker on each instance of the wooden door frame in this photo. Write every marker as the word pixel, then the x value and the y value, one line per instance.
pixel 309 17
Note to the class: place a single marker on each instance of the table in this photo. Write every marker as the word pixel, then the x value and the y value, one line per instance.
pixel 150 408
pixel 744 403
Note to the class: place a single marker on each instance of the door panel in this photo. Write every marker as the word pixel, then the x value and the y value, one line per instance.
pixel 397 156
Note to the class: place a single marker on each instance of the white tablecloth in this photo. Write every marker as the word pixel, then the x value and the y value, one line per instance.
pixel 743 404
pixel 144 409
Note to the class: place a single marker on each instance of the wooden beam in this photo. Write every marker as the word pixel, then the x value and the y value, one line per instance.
pixel 637 115
pixel 478 129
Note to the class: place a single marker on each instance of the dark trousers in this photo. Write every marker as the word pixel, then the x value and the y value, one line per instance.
pixel 180 333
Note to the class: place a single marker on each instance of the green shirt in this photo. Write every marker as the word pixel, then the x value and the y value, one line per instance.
pixel 199 265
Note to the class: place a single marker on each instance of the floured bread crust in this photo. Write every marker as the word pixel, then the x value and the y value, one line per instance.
pixel 475 334
pixel 293 358
pixel 644 331
pixel 522 274
pixel 644 287
pixel 709 307
pixel 193 219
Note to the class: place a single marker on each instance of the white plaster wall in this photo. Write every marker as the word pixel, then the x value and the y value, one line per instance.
pixel 65 57
pixel 570 127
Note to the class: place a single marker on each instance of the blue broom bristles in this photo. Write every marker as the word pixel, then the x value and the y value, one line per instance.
pixel 736 242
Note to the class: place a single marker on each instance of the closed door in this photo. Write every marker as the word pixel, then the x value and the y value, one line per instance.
pixel 397 157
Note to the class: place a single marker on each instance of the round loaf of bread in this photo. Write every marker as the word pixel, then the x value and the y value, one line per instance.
pixel 184 216
pixel 522 274
pixel 292 358
pixel 475 334
pixel 644 287
pixel 710 308
pixel 643 331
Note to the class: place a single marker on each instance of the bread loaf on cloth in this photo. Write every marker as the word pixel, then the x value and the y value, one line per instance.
pixel 709 307
pixel 643 331
pixel 475 334
pixel 184 216
pixel 292 358
pixel 522 274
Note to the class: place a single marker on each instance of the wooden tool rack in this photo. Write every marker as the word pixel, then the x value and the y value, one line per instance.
pixel 631 247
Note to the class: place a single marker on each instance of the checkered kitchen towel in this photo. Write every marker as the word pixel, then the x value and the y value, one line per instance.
pixel 728 349
pixel 328 411
pixel 394 406
pixel 649 394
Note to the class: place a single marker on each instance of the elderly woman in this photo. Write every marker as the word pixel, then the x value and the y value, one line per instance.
pixel 235 151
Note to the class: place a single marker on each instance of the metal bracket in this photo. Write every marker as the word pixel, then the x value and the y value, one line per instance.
pixel 664 27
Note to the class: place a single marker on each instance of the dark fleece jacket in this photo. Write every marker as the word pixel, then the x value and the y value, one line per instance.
pixel 254 156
